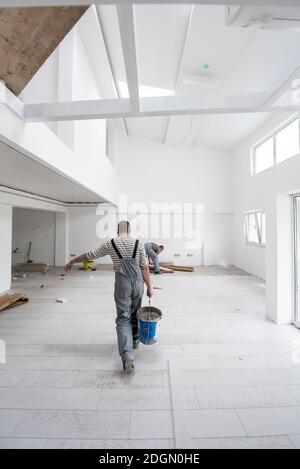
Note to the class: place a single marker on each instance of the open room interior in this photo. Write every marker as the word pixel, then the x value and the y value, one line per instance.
pixel 149 224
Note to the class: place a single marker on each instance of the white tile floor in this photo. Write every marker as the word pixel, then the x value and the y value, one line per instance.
pixel 62 386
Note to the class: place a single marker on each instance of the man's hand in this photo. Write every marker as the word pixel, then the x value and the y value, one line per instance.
pixel 69 266
pixel 150 292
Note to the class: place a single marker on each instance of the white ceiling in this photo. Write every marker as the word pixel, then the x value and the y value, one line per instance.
pixel 189 55
pixel 239 59
pixel 21 172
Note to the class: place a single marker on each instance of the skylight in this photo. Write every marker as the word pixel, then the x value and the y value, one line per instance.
pixel 145 91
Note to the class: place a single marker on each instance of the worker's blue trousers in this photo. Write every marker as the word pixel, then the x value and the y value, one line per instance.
pixel 129 290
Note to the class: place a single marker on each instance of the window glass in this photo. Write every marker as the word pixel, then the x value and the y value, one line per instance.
pixel 264 156
pixel 288 142
pixel 255 228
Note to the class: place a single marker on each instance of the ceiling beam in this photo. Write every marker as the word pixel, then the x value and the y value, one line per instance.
pixel 127 31
pixel 25 3
pixel 181 61
pixel 103 37
pixel 285 86
pixel 162 106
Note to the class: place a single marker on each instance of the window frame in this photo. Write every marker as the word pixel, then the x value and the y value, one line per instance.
pixel 260 212
pixel 273 135
pixel 296 272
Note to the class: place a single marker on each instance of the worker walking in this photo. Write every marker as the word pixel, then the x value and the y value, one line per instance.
pixel 153 250
pixel 131 272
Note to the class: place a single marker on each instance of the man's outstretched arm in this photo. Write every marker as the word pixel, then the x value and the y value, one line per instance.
pixel 77 260
pixel 102 251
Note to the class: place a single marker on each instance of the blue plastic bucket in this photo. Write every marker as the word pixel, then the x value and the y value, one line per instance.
pixel 149 318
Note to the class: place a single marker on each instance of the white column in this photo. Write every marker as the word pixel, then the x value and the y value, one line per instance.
pixel 5 247
pixel 65 130
pixel 279 261
pixel 61 239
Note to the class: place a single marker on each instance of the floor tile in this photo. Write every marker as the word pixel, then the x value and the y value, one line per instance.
pixel 244 397
pixel 246 362
pixel 190 399
pixel 295 439
pixel 21 443
pixel 8 421
pixel 148 425
pixel 29 363
pixel 267 422
pixel 136 399
pixel 108 444
pixel 198 378
pixel 73 424
pixel 266 377
pixel 43 398
pixel 214 424
pixel 243 443
pixel 295 391
pixel 149 379
pixel 217 349
pixel 33 378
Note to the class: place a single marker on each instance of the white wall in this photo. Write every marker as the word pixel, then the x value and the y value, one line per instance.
pixel 83 234
pixel 61 239
pixel 76 149
pixel 9 200
pixel 38 227
pixel 269 191
pixel 149 172
pixel 5 247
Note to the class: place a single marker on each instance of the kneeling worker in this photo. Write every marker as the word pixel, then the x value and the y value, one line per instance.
pixel 131 271
pixel 153 250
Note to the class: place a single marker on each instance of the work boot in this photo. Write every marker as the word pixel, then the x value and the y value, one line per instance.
pixel 136 344
pixel 128 366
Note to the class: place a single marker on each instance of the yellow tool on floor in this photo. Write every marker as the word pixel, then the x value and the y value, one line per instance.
pixel 89 266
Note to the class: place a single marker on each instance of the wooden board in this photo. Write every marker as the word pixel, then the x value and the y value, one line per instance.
pixel 182 268
pixel 7 301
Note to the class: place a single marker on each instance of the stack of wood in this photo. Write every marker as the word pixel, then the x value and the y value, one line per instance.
pixel 170 268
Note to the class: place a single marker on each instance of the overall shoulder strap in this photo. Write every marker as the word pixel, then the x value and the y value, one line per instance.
pixel 135 249
pixel 116 249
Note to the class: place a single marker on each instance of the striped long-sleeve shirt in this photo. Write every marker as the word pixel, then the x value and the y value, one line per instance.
pixel 126 248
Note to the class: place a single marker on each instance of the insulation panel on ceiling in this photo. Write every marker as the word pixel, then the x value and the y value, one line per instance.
pixel 28 36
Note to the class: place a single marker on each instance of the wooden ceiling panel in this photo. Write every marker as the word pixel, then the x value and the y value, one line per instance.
pixel 28 36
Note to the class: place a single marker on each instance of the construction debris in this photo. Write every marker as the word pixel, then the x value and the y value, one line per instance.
pixel 182 268
pixel 61 300
pixel 8 301
pixel 33 268
pixel 164 270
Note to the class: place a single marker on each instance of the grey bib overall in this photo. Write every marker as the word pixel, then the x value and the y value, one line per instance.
pixel 129 290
